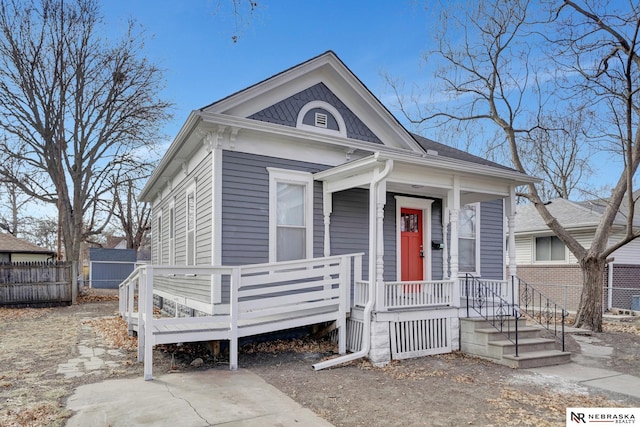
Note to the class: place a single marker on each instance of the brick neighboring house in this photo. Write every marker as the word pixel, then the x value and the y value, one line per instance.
pixel 13 249
pixel 547 264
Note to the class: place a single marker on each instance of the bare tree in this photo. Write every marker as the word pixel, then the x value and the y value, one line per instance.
pixel 495 56
pixel 133 216
pixel 19 212
pixel 557 151
pixel 42 231
pixel 74 107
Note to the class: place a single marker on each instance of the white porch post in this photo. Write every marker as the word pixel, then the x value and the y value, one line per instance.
pixel 379 216
pixel 380 347
pixel 327 208
pixel 510 208
pixel 454 212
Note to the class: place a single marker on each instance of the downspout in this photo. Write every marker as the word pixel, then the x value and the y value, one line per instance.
pixel 373 244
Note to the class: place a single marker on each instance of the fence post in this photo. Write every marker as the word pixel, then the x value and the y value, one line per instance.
pixel 74 281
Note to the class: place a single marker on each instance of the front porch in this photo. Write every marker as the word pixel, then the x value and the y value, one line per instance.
pixel 417 318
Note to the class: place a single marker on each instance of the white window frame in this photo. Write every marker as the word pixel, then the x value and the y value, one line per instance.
pixel 172 233
pixel 159 240
pixel 476 206
pixel 191 189
pixel 276 176
pixel 534 252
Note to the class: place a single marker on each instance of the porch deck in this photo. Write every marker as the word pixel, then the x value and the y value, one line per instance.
pixel 262 298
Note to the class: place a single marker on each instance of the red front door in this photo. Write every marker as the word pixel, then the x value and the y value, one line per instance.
pixel 411 249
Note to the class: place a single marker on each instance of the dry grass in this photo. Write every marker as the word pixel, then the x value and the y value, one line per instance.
pixel 115 333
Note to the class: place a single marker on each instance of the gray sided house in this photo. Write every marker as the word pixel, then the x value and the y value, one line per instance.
pixel 308 169
pixel 546 263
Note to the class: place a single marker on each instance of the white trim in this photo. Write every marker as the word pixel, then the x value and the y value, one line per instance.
pixel 342 128
pixel 216 229
pixel 277 175
pixel 159 240
pixel 425 206
pixel 191 188
pixel 172 227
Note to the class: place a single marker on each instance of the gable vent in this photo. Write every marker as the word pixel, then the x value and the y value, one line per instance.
pixel 321 120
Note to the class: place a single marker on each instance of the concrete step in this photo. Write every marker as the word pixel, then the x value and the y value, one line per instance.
pixel 479 338
pixel 500 348
pixel 472 324
pixel 536 359
pixel 492 334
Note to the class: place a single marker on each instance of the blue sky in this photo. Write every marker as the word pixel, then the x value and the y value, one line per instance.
pixel 191 40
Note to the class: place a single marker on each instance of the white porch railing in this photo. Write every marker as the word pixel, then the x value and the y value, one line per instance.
pixel 262 298
pixel 419 294
pixel 360 293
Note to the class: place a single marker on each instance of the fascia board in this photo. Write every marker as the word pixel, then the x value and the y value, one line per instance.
pixel 377 109
pixel 391 153
pixel 579 228
pixel 291 132
pixel 461 166
pixel 347 169
pixel 279 80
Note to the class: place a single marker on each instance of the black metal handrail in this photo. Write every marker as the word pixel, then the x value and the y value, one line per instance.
pixel 541 309
pixel 496 310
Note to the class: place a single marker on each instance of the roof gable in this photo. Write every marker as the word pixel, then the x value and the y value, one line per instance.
pixel 280 98
pixel 286 112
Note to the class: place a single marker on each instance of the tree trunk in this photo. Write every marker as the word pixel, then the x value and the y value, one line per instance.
pixel 589 313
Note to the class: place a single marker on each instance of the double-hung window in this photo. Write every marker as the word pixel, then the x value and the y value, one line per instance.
pixel 290 215
pixel 469 238
pixel 550 248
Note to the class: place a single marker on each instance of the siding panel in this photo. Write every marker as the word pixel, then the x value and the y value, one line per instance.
pixel 492 258
pixel 350 225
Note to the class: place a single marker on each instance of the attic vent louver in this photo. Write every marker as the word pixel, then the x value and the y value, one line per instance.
pixel 321 120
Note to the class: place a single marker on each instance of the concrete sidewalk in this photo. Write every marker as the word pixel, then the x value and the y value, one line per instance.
pixel 212 397
pixel 581 370
pixel 594 377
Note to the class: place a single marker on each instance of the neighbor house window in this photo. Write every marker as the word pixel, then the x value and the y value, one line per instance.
pixel 191 225
pixel 550 248
pixel 290 215
pixel 468 239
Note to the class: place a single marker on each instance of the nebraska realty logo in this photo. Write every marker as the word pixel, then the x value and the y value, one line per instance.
pixel 602 416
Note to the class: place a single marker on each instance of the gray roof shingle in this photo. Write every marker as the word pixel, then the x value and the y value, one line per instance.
pixel 569 214
pixel 9 243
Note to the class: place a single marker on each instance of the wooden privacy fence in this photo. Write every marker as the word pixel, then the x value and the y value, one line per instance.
pixel 36 283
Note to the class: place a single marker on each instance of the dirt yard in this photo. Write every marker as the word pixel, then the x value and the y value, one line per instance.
pixel 41 347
